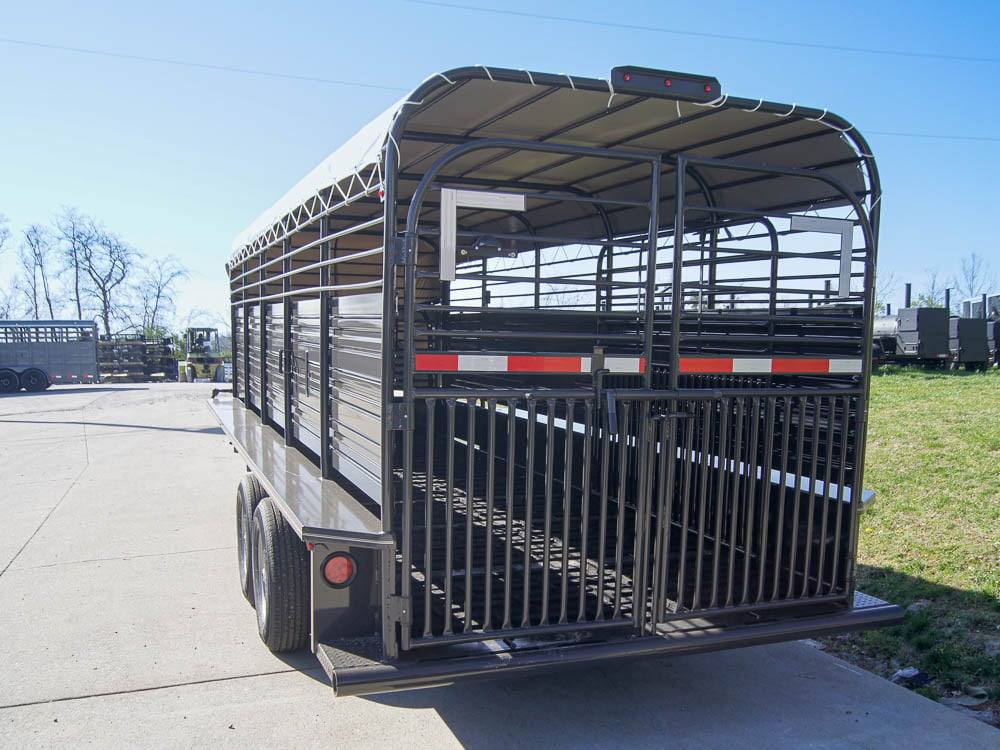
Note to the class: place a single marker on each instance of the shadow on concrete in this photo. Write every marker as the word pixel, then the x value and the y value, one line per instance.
pixel 305 661
pixel 88 423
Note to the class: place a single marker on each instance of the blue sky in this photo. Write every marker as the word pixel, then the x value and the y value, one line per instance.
pixel 179 160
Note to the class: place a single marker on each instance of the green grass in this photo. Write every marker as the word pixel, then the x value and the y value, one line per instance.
pixel 934 531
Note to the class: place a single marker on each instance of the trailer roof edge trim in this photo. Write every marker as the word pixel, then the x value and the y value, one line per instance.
pixel 355 170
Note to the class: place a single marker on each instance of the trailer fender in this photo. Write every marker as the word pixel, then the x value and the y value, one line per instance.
pixel 345 588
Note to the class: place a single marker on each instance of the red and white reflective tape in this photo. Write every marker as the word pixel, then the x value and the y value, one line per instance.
pixel 537 363
pixel 769 366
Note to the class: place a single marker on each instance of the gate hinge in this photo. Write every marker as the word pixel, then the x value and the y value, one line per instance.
pixel 397 610
pixel 401 250
pixel 398 416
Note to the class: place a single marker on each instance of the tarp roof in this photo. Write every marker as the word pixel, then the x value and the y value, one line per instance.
pixel 478 102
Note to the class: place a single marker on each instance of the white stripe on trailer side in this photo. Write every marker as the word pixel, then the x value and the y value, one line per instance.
pixel 749 365
pixel 846 366
pixel 482 363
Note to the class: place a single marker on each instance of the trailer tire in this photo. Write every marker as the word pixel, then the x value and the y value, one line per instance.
pixel 281 581
pixel 249 493
pixel 34 380
pixel 9 382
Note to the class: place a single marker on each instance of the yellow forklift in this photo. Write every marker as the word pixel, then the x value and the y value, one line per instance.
pixel 204 362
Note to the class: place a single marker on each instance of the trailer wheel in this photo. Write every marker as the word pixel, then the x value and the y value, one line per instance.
pixel 281 581
pixel 249 493
pixel 34 380
pixel 9 382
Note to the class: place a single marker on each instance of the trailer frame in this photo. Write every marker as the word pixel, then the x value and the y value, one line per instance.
pixel 596 424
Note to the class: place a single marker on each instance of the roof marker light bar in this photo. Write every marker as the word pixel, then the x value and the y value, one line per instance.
pixel 631 79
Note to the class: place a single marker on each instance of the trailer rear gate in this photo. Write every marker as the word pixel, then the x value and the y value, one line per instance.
pixel 616 378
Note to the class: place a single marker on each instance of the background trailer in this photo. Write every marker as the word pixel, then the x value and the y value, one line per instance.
pixel 540 369
pixel 35 354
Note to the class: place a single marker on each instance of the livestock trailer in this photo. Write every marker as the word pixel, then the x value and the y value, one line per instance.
pixel 538 370
pixel 34 354
pixel 135 357
pixel 916 335
pixel 969 343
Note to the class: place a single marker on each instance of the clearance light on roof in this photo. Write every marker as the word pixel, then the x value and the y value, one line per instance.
pixel 648 81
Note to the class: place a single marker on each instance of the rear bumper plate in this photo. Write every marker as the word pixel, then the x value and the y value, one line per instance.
pixel 354 668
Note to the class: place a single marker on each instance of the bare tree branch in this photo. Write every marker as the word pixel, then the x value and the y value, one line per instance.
pixel 157 289
pixel 975 277
pixel 35 256
pixel 78 233
pixel 107 263
pixel 933 293
pixel 4 232
pixel 885 287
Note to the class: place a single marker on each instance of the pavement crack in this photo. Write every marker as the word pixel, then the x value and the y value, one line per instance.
pixel 54 508
pixel 167 686
pixel 122 558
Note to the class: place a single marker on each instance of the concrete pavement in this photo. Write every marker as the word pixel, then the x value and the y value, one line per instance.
pixel 122 624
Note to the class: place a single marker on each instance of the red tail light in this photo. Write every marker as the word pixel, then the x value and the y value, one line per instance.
pixel 339 569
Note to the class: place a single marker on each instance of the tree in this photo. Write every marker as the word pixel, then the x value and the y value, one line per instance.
pixel 885 287
pixel 975 277
pixel 78 234
pixel 156 290
pixel 35 256
pixel 107 263
pixel 4 232
pixel 933 293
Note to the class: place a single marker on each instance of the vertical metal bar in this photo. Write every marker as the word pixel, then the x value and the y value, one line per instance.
pixel 842 474
pixel 725 441
pixel 538 277
pixel 567 510
pixel 510 456
pixel 640 590
pixel 813 471
pixel 856 491
pixel 325 379
pixel 247 391
pixel 286 337
pixel 654 227
pixel 779 526
pixel 429 516
pixel 827 496
pixel 676 289
pixel 707 423
pixel 550 406
pixel 797 500
pixel 529 492
pixel 751 495
pixel 449 549
pixel 407 561
pixel 669 498
pixel 765 516
pixel 734 507
pixel 235 345
pixel 491 458
pixel 688 458
pixel 470 492
pixel 588 447
pixel 603 526
pixel 263 341
pixel 623 438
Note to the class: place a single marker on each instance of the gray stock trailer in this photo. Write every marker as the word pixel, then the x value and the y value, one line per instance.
pixel 539 370
pixel 35 354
